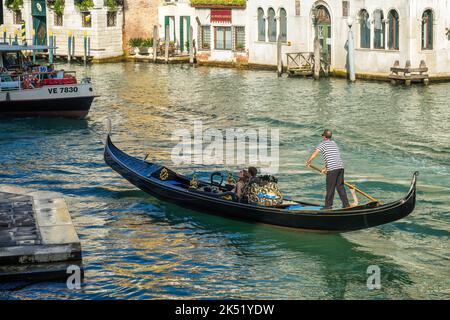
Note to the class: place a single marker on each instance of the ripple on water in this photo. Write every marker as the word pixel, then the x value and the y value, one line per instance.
pixel 136 247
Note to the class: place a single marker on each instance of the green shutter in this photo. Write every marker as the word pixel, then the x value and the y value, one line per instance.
pixel 430 30
pixel 166 23
pixel 181 34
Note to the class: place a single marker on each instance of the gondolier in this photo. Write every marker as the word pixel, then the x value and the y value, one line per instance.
pixel 334 169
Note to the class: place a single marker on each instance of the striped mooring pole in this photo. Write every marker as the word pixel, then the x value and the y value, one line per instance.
pixel 23 33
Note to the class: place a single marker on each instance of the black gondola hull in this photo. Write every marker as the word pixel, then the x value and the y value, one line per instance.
pixel 139 173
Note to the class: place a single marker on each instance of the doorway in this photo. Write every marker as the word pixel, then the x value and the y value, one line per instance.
pixel 38 13
pixel 323 31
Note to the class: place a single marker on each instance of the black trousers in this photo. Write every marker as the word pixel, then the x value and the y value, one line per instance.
pixel 335 180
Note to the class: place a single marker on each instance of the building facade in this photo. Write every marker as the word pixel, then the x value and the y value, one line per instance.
pixel 219 30
pixel 99 20
pixel 384 31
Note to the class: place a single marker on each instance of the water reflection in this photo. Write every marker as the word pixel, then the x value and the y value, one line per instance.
pixel 137 247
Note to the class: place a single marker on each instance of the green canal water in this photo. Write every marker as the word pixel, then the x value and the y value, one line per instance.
pixel 136 247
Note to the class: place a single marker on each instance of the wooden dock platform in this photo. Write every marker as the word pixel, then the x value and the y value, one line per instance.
pixel 37 237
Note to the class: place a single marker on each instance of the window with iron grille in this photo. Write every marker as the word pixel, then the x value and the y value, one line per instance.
pixel 205 38
pixel 17 17
pixel 111 18
pixel 58 19
pixel 86 19
pixel 239 38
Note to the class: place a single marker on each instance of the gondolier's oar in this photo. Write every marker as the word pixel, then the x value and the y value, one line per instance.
pixel 351 186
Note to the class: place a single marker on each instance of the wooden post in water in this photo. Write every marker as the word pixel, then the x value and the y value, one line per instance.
pixel 408 72
pixel 50 51
pixel 279 60
pixel 69 46
pixel 4 34
pixel 166 44
pixel 317 56
pixel 155 42
pixel 73 46
pixel 33 34
pixel 191 45
pixel 85 48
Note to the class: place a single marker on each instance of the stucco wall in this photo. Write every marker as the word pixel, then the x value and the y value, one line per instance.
pixel 139 18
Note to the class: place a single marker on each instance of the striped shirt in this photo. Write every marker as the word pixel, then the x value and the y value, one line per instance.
pixel 331 155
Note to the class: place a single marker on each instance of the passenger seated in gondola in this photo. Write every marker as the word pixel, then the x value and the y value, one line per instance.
pixel 240 184
pixel 252 171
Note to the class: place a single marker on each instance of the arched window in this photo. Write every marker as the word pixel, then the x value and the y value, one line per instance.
pixel 427 30
pixel 364 29
pixel 272 28
pixel 393 30
pixel 261 25
pixel 379 28
pixel 283 25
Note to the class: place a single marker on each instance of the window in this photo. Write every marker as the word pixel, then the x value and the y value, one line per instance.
pixel 393 30
pixel 379 28
pixel 261 25
pixel 364 29
pixel 239 38
pixel 222 38
pixel 297 7
pixel 17 17
pixel 427 30
pixel 283 25
pixel 345 8
pixel 86 19
pixel 272 28
pixel 58 19
pixel 111 18
pixel 205 37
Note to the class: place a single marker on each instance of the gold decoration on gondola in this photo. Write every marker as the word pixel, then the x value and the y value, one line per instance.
pixel 164 174
pixel 228 197
pixel 194 182
pixel 230 179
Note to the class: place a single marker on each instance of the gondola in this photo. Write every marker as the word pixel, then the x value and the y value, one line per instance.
pixel 165 184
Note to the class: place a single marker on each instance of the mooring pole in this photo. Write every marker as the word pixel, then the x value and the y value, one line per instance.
pixel 15 36
pixel 191 45
pixel 351 52
pixel 85 48
pixel 279 60
pixel 69 46
pixel 73 46
pixel 4 34
pixel 33 34
pixel 166 45
pixel 317 58
pixel 50 52
pixel 155 42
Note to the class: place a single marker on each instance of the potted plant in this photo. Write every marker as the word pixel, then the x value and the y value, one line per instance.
pixel 84 5
pixel 14 5
pixel 135 44
pixel 56 5
pixel 145 45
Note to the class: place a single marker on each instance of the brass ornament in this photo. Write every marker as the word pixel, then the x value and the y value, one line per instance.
pixel 194 182
pixel 164 174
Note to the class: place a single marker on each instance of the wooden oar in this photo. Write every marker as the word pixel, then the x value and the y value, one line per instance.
pixel 351 186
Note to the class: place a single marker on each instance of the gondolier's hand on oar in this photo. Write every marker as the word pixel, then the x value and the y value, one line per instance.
pixel 311 158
